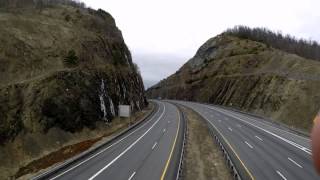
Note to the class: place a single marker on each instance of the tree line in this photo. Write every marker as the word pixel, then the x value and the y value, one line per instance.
pixel 305 48
pixel 39 3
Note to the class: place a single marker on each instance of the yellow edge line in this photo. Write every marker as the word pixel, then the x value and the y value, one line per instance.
pixel 173 146
pixel 233 151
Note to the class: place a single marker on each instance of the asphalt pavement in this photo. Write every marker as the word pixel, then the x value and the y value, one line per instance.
pixel 149 151
pixel 266 151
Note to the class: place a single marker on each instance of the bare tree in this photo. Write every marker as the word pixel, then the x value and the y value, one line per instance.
pixel 39 4
pixel 304 48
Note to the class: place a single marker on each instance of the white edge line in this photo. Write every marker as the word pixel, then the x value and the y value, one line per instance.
pixel 294 162
pixel 117 142
pixel 281 175
pixel 128 148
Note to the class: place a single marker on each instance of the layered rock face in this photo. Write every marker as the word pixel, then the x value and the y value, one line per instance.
pixel 249 76
pixel 62 68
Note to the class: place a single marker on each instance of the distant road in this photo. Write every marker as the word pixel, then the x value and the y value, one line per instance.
pixel 149 151
pixel 266 151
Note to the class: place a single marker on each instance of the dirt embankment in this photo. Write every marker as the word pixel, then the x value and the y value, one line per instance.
pixel 203 158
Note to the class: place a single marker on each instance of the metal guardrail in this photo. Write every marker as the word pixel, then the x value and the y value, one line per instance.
pixel 184 143
pixel 238 170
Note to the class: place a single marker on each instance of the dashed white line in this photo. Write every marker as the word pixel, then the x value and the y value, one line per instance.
pixel 164 130
pixel 297 164
pixel 308 151
pixel 117 142
pixel 154 145
pixel 258 138
pixel 281 175
pixel 128 148
pixel 131 175
pixel 230 129
pixel 249 144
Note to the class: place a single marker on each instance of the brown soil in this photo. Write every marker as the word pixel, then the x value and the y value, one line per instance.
pixel 67 152
pixel 203 158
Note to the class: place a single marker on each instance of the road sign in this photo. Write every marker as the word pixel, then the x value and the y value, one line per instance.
pixel 124 111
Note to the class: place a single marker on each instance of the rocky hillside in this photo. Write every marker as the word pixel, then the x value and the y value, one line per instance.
pixel 61 67
pixel 250 76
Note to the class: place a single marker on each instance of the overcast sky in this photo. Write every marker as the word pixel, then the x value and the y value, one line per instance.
pixel 163 34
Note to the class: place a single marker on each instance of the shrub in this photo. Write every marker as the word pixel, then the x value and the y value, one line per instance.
pixel 71 59
pixel 67 18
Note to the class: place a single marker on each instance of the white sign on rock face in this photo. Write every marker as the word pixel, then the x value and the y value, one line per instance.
pixel 124 111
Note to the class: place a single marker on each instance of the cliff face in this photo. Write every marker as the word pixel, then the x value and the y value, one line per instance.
pixel 61 68
pixel 249 76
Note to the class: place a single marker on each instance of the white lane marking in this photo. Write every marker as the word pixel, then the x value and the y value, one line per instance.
pixel 131 175
pixel 219 120
pixel 308 151
pixel 154 145
pixel 258 138
pixel 128 148
pixel 164 130
pixel 294 162
pixel 117 142
pixel 281 175
pixel 269 124
pixel 230 129
pixel 249 144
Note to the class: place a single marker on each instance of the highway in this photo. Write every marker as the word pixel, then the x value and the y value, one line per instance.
pixel 265 150
pixel 152 150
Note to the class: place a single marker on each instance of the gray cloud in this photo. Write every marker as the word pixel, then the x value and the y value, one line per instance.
pixel 155 67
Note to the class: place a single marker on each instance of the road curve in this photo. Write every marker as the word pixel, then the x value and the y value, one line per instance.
pixel 266 151
pixel 149 151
